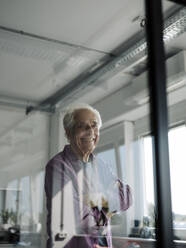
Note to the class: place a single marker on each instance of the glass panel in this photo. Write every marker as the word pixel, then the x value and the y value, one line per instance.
pixel 40 185
pixel 108 156
pixel 106 200
pixel 143 190
pixel 177 143
pixel 22 182
pixel 25 203
pixel 149 179
pixel 105 66
pixel 12 196
pixel 176 96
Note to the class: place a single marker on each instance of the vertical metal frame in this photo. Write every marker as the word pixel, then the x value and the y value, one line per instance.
pixel 159 123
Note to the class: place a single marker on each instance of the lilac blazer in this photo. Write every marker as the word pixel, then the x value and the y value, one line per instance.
pixel 106 195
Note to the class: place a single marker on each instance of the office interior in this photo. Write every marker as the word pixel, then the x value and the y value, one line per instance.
pixel 56 53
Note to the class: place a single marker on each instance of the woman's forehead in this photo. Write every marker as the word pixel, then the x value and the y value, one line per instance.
pixel 82 115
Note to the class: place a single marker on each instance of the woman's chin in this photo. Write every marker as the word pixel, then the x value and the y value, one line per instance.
pixel 88 149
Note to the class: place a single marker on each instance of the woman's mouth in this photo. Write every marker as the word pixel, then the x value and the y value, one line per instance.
pixel 92 139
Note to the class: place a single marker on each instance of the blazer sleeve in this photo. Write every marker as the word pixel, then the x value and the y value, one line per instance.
pixel 54 172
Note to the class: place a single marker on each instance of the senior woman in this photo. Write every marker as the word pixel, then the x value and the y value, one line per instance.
pixel 102 194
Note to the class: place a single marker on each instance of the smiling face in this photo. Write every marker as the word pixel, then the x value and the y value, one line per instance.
pixel 85 134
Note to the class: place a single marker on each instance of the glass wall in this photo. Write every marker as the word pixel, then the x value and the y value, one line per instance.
pixel 123 156
pixel 177 169
pixel 138 222
pixel 22 210
pixel 144 181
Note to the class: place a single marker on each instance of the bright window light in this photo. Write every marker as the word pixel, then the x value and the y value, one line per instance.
pixel 149 180
pixel 177 144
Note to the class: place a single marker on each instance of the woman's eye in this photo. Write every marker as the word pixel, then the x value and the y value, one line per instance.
pixel 94 124
pixel 81 126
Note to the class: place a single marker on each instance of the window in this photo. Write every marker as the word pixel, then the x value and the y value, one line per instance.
pixel 12 196
pixel 148 173
pixel 40 185
pixel 25 206
pixel 177 144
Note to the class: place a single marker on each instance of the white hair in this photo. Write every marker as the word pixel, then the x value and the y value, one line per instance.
pixel 68 120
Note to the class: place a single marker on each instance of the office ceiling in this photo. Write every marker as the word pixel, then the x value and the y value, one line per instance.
pixel 47 45
pixel 62 40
